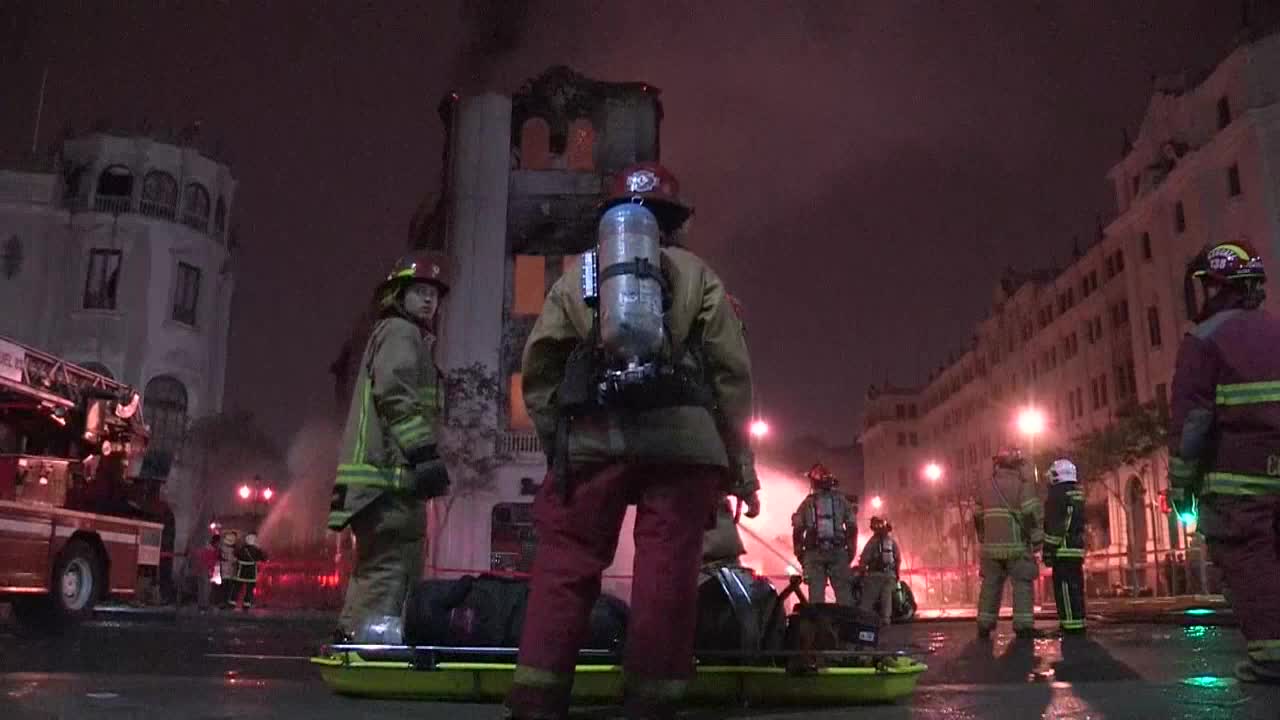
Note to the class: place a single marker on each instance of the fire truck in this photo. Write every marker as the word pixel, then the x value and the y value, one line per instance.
pixel 70 442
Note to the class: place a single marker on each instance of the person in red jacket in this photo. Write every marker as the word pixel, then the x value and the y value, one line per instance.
pixel 203 561
pixel 1224 442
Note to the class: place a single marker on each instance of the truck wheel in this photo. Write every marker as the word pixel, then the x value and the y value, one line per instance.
pixel 77 581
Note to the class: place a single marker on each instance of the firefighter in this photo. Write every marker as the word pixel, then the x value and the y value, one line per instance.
pixel 1008 518
pixel 227 567
pixel 654 412
pixel 248 555
pixel 389 463
pixel 1064 544
pixel 1224 442
pixel 824 532
pixel 882 561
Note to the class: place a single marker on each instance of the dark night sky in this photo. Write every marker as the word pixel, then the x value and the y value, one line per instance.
pixel 862 170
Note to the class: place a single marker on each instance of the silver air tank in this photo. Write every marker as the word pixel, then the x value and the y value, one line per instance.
pixel 630 304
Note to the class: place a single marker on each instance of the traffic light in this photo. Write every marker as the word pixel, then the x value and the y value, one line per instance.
pixel 1189 514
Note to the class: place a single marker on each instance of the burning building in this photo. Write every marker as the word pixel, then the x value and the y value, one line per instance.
pixel 522 175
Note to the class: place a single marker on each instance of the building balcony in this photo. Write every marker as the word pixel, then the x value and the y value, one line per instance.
pixel 157 210
pixel 196 221
pixel 521 445
pixel 113 204
pixel 552 212
pixel 121 204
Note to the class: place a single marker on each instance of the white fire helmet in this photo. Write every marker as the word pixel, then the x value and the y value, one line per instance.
pixel 1062 471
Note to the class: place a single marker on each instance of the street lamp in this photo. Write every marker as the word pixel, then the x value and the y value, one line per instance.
pixel 1031 422
pixel 256 493
pixel 759 428
pixel 876 503
pixel 933 472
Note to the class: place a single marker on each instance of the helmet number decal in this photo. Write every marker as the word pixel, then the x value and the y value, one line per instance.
pixel 642 181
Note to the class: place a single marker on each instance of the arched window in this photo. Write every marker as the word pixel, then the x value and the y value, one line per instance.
pixel 115 190
pixel 582 142
pixel 164 406
pixel 535 144
pixel 220 218
pixel 195 207
pixel 159 195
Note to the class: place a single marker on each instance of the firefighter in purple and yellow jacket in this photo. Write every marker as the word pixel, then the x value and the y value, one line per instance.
pixel 1224 442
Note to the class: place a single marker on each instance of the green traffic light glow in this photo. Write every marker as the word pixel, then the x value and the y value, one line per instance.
pixel 1201 611
pixel 1208 681
pixel 1187 518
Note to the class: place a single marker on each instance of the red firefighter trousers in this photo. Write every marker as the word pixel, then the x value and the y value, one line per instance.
pixel 577 538
pixel 1243 535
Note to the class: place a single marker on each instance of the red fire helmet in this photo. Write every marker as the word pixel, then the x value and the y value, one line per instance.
pixel 652 185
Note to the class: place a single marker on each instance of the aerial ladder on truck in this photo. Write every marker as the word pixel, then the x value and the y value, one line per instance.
pixel 68 438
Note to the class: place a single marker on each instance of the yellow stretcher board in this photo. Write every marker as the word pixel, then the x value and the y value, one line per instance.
pixel 348 673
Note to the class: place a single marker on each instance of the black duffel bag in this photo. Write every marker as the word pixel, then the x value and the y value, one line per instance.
pixel 850 626
pixel 738 611
pixel 488 611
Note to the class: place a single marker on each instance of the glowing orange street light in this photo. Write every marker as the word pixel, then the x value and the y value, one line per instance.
pixel 759 428
pixel 245 493
pixel 1031 422
pixel 876 503
pixel 933 472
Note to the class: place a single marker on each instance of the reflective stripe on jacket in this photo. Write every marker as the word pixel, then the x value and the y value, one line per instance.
pixel 1009 514
pixel 1224 433
pixel 391 424
pixel 1064 521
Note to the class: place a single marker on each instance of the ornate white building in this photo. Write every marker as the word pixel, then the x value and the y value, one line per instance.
pixel 119 258
pixel 523 174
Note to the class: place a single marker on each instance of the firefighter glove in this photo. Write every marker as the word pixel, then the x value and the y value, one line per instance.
pixel 744 483
pixel 430 479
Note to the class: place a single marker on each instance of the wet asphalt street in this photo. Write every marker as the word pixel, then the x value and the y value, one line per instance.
pixel 245 668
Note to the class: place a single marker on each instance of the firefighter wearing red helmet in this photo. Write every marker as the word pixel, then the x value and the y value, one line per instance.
pixel 637 377
pixel 1224 441
pixel 824 533
pixel 1009 518
pixel 388 462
